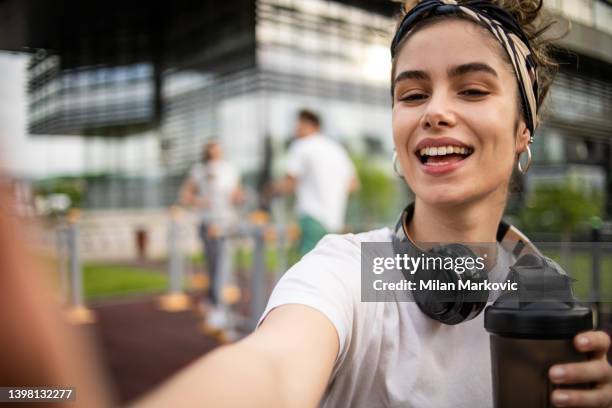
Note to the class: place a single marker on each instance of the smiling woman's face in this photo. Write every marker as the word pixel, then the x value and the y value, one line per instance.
pixel 455 114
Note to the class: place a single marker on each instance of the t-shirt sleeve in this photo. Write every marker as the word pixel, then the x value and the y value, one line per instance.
pixel 327 279
pixel 296 162
pixel 346 167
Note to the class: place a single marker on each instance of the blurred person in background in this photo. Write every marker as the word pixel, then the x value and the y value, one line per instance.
pixel 213 188
pixel 321 174
pixel 38 348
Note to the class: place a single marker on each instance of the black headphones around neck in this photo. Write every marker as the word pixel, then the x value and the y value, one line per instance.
pixel 453 306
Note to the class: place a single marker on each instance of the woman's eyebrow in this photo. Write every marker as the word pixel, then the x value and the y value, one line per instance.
pixel 412 74
pixel 471 67
pixel 452 72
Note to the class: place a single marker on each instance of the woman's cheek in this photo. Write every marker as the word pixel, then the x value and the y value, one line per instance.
pixel 403 129
pixel 398 122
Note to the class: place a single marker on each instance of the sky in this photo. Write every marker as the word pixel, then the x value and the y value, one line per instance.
pixel 21 154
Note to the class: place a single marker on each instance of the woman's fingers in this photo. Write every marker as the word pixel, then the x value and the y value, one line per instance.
pixel 597 371
pixel 592 371
pixel 601 397
pixel 597 342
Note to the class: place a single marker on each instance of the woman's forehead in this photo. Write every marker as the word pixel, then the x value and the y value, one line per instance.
pixel 446 44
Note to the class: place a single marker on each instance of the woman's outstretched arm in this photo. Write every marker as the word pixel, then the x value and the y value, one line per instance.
pixel 286 362
pixel 37 347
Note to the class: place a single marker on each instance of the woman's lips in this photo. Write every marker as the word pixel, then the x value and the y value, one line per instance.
pixel 441 155
pixel 439 141
pixel 442 164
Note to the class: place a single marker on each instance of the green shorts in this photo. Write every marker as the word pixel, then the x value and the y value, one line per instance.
pixel 311 232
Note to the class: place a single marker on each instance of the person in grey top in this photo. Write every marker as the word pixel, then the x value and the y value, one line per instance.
pixel 213 188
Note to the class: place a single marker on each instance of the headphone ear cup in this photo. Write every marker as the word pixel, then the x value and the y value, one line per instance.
pixel 452 305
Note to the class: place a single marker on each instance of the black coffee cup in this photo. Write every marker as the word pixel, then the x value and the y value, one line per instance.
pixel 532 329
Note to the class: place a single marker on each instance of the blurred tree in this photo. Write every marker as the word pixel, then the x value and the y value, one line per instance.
pixel 560 208
pixel 71 186
pixel 378 193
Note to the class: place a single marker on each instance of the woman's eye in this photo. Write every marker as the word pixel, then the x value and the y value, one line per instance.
pixel 474 92
pixel 413 97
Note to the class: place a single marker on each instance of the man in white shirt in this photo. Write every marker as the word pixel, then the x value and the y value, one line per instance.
pixel 321 175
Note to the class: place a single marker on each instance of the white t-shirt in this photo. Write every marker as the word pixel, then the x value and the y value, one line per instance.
pixel 216 182
pixel 391 354
pixel 323 171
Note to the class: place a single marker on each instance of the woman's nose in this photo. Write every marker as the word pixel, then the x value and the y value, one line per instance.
pixel 438 113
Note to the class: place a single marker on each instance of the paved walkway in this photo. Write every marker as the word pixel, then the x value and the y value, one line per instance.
pixel 141 345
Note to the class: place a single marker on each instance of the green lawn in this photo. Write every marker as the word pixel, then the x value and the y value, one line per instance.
pixel 107 281
pixel 103 281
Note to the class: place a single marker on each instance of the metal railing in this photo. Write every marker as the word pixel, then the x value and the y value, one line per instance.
pixel 241 294
pixel 242 291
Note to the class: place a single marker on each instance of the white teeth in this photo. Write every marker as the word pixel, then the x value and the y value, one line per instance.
pixel 443 150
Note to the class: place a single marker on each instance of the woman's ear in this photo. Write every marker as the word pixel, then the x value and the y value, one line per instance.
pixel 522 137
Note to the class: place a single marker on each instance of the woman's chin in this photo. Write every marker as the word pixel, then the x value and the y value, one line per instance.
pixel 460 194
pixel 443 196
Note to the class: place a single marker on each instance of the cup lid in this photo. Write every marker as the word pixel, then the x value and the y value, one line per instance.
pixel 543 306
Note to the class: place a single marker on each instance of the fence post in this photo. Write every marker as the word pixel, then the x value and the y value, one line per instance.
pixel 77 311
pixel 175 300
pixel 258 219
pixel 61 247
pixel 258 297
pixel 595 295
pixel 228 292
pixel 281 245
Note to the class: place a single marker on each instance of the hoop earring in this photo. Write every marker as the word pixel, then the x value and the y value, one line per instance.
pixel 520 167
pixel 395 170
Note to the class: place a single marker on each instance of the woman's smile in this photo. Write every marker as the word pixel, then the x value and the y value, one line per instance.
pixel 442 155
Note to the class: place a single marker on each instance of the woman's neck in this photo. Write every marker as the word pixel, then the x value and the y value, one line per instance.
pixel 467 222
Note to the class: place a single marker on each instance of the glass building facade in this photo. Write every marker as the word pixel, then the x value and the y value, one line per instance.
pixel 327 56
pixel 239 72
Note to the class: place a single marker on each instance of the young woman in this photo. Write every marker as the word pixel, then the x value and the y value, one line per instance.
pixel 468 83
pixel 213 188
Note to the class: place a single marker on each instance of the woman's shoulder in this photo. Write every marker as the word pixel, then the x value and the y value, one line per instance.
pixel 339 254
pixel 334 245
pixel 330 274
pixel 332 269
pixel 377 235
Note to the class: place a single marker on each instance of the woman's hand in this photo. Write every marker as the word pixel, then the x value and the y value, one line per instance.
pixel 597 370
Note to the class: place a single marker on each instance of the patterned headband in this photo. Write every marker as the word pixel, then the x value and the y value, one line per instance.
pixel 504 28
